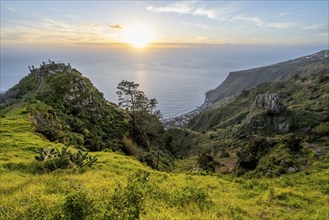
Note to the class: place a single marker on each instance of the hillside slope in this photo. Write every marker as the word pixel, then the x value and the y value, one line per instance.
pixel 65 107
pixel 89 193
pixel 271 129
pixel 246 79
pixel 62 104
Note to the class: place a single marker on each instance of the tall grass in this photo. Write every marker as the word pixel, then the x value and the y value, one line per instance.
pixel 89 193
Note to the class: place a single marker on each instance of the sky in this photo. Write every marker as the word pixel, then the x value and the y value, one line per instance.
pixel 144 23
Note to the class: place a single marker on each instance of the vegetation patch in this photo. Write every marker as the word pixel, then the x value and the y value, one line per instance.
pixel 52 159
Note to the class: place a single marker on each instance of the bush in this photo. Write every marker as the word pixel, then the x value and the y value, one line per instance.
pixel 190 194
pixel 207 162
pixel 250 155
pixel 292 142
pixel 46 122
pixel 259 146
pixel 75 139
pixel 322 129
pixel 127 203
pixel 130 148
pixel 77 206
pixel 53 159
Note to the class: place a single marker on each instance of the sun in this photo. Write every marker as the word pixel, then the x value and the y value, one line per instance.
pixel 139 36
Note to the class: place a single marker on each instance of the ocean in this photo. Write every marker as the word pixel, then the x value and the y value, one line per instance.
pixel 177 77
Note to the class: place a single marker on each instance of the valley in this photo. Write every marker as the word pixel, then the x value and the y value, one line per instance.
pixel 256 151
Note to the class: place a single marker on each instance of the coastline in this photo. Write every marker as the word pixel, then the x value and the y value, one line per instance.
pixel 181 121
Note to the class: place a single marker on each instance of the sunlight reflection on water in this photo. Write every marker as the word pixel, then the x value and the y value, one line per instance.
pixel 177 78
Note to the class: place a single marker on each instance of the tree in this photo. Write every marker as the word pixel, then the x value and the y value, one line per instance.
pixel 127 93
pixel 127 97
pixel 147 130
pixel 141 107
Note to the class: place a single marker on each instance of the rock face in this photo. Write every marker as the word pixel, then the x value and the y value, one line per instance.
pixel 268 102
pixel 266 115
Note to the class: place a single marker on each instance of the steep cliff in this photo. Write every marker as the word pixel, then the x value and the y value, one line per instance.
pixel 246 79
pixel 270 129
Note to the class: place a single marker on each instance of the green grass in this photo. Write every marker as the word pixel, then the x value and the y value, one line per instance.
pixel 26 194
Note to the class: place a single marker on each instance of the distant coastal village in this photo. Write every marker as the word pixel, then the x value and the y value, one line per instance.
pixel 182 121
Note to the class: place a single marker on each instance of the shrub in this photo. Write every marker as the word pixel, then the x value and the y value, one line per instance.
pixel 207 162
pixel 258 146
pixel 322 129
pixel 53 159
pixel 77 206
pixel 130 148
pixel 127 202
pixel 46 122
pixel 250 155
pixel 292 142
pixel 190 194
pixel 75 139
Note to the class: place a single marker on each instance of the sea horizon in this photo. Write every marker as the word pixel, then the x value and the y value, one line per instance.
pixel 177 77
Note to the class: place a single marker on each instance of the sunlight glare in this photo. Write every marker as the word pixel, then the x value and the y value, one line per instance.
pixel 139 36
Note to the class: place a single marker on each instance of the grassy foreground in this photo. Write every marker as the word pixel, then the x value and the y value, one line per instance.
pixel 118 186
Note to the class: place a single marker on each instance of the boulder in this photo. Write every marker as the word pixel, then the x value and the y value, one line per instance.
pixel 319 152
pixel 292 169
pixel 283 128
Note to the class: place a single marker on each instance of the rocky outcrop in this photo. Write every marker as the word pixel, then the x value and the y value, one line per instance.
pixel 268 102
pixel 267 115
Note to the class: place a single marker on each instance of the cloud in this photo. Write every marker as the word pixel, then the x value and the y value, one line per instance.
pixel 251 20
pixel 311 27
pixel 195 25
pixel 261 23
pixel 226 13
pixel 282 14
pixel 281 25
pixel 187 7
pixel 73 17
pixel 178 7
pixel 324 34
pixel 116 26
pixel 10 9
pixel 211 14
pixel 57 32
pixel 53 9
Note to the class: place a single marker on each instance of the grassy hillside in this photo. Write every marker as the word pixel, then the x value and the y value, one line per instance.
pixel 308 94
pixel 237 137
pixel 66 107
pixel 121 187
pixel 277 129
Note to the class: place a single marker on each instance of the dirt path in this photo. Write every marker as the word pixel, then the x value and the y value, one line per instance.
pixel 40 79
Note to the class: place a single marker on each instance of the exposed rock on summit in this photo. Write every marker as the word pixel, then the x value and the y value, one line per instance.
pixel 269 103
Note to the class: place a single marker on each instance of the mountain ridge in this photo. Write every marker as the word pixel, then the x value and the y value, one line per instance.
pixel 245 79
pixel 239 81
pixel 252 129
pixel 65 106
